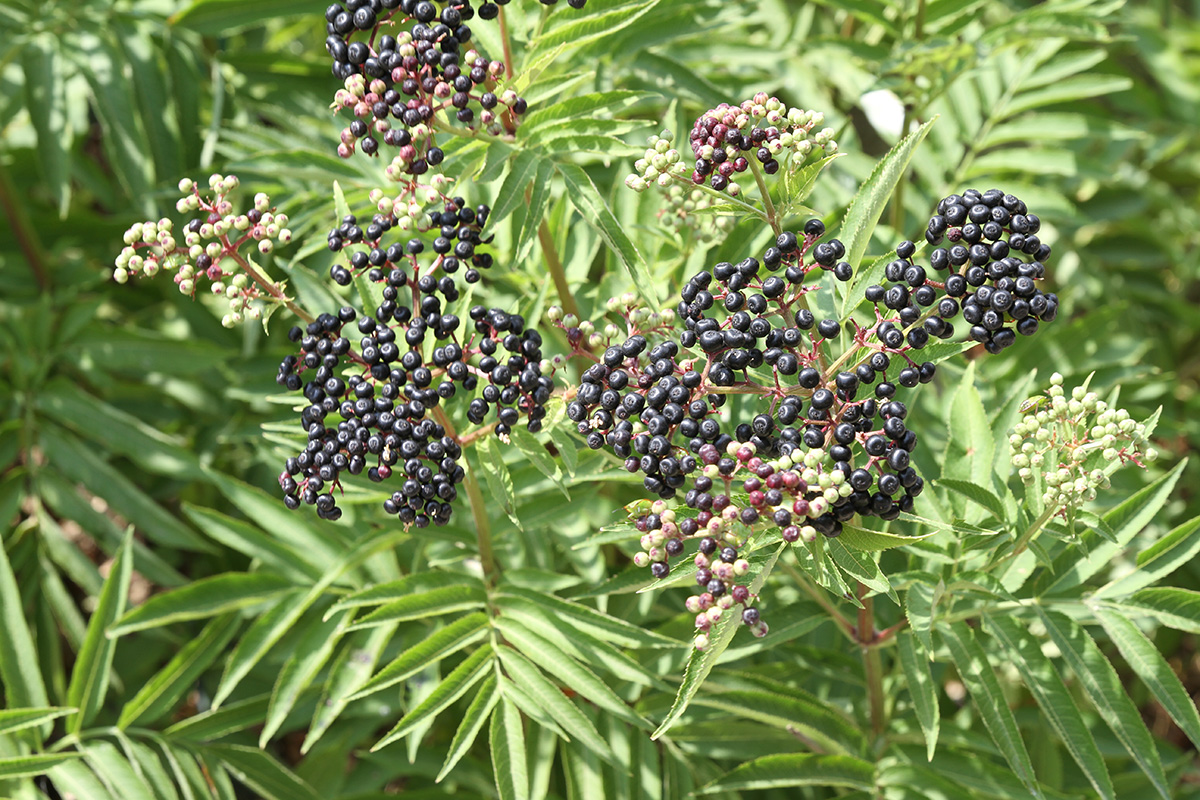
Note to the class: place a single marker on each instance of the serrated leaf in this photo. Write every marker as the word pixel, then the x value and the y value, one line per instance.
pixel 537 455
pixel 584 28
pixel 495 473
pixel 861 568
pixel 416 583
pixel 573 722
pixel 349 671
pixel 213 17
pixel 701 662
pixel 976 673
pixel 453 686
pixel 19 670
pixel 439 644
pixel 799 714
pixel 206 597
pixel 252 541
pixel 535 212
pixel 435 602
pixel 90 675
pixel 914 661
pixel 863 539
pixel 981 496
pixel 1172 606
pixel 872 197
pixel 259 771
pixel 509 762
pixel 1053 697
pixel 521 171
pixel 217 723
pixel 112 767
pixel 164 690
pixel 28 766
pixel 1103 687
pixel 582 105
pixel 17 719
pixel 471 724
pixel 1157 561
pixel 587 200
pixel 587 619
pixel 1145 660
pixel 300 670
pixel 793 770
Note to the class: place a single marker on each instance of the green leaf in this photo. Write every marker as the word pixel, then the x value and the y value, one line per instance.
pixel 535 451
pixel 460 680
pixel 1126 520
pixel 74 777
pixel 521 171
pixel 584 28
pixel 114 769
pixel 252 541
pixel 258 639
pixel 551 658
pixel 471 724
pixel 159 695
pixel 17 719
pixel 914 661
pixel 262 773
pixel 1157 561
pixel 90 675
pixel 586 198
pixel 46 102
pixel 1145 659
pixel 435 602
pixel 799 714
pixel 103 66
pixel 28 766
pixel 1069 90
pixel 970 448
pixel 1103 687
pixel 441 643
pixel 495 472
pixel 216 723
pixel 589 620
pixel 19 670
pixel 582 105
pixel 701 662
pixel 863 539
pixel 862 568
pixel 869 202
pixel 207 597
pixel 1053 697
pixel 977 494
pixel 509 762
pixel 151 95
pixel 349 671
pixel 550 697
pixel 300 670
pixel 1174 607
pixel 535 212
pixel 976 673
pixel 416 583
pixel 795 769
pixel 213 17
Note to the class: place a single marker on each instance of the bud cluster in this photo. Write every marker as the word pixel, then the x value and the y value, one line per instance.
pixel 210 249
pixel 1073 443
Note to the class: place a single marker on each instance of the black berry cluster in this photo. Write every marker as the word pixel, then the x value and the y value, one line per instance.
pixel 409 72
pixel 383 387
pixel 989 273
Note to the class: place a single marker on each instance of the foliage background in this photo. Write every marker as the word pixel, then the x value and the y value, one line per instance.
pixel 127 405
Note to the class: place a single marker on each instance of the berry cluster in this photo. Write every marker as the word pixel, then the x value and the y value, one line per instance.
pixel 211 248
pixel 402 84
pixel 729 140
pixel 1065 445
pixel 992 268
pixel 384 386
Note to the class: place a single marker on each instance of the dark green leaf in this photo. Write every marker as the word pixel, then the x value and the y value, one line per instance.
pixel 206 597
pixel 795 769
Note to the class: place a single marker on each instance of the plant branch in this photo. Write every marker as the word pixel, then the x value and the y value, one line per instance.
pixel 872 661
pixel 844 625
pixel 554 264
pixel 772 216
pixel 265 283
pixel 504 42
pixel 1023 540
pixel 483 526
pixel 23 231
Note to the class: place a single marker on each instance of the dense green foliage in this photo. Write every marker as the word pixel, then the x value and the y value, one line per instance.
pixel 170 630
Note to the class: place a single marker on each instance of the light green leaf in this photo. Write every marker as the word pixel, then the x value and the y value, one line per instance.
pixel 589 620
pixel 19 670
pixel 441 643
pixel 206 597
pixel 582 105
pixel 349 671
pixel 1145 659
pixel 1157 561
pixel 521 171
pixel 252 541
pixel 115 770
pixel 416 583
pixel 977 494
pixel 863 539
pixel 300 670
pixel 213 17
pixel 216 723
pixel 798 713
pixel 471 724
pixel 1103 687
pixel 45 99
pixel 1053 697
pixel 976 673
pixel 90 675
pixel 509 762
pixel 472 669
pixel 862 568
pixel 258 640
pixel 259 771
pixel 28 766
pixel 17 719
pixel 161 693
pixel 586 198
pixel 914 661
pixel 701 662
pixel 535 212
pixel 1172 606
pixel 795 769
pixel 586 27
pixel 435 602
pixel 868 204
pixel 555 703
pixel 970 448
pixel 495 472
pixel 537 455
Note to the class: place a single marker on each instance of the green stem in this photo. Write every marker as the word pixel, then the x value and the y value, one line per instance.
pixel 23 230
pixel 723 197
pixel 872 661
pixel 1023 540
pixel 554 264
pixel 772 216
pixel 483 526
pixel 844 625
pixel 265 284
